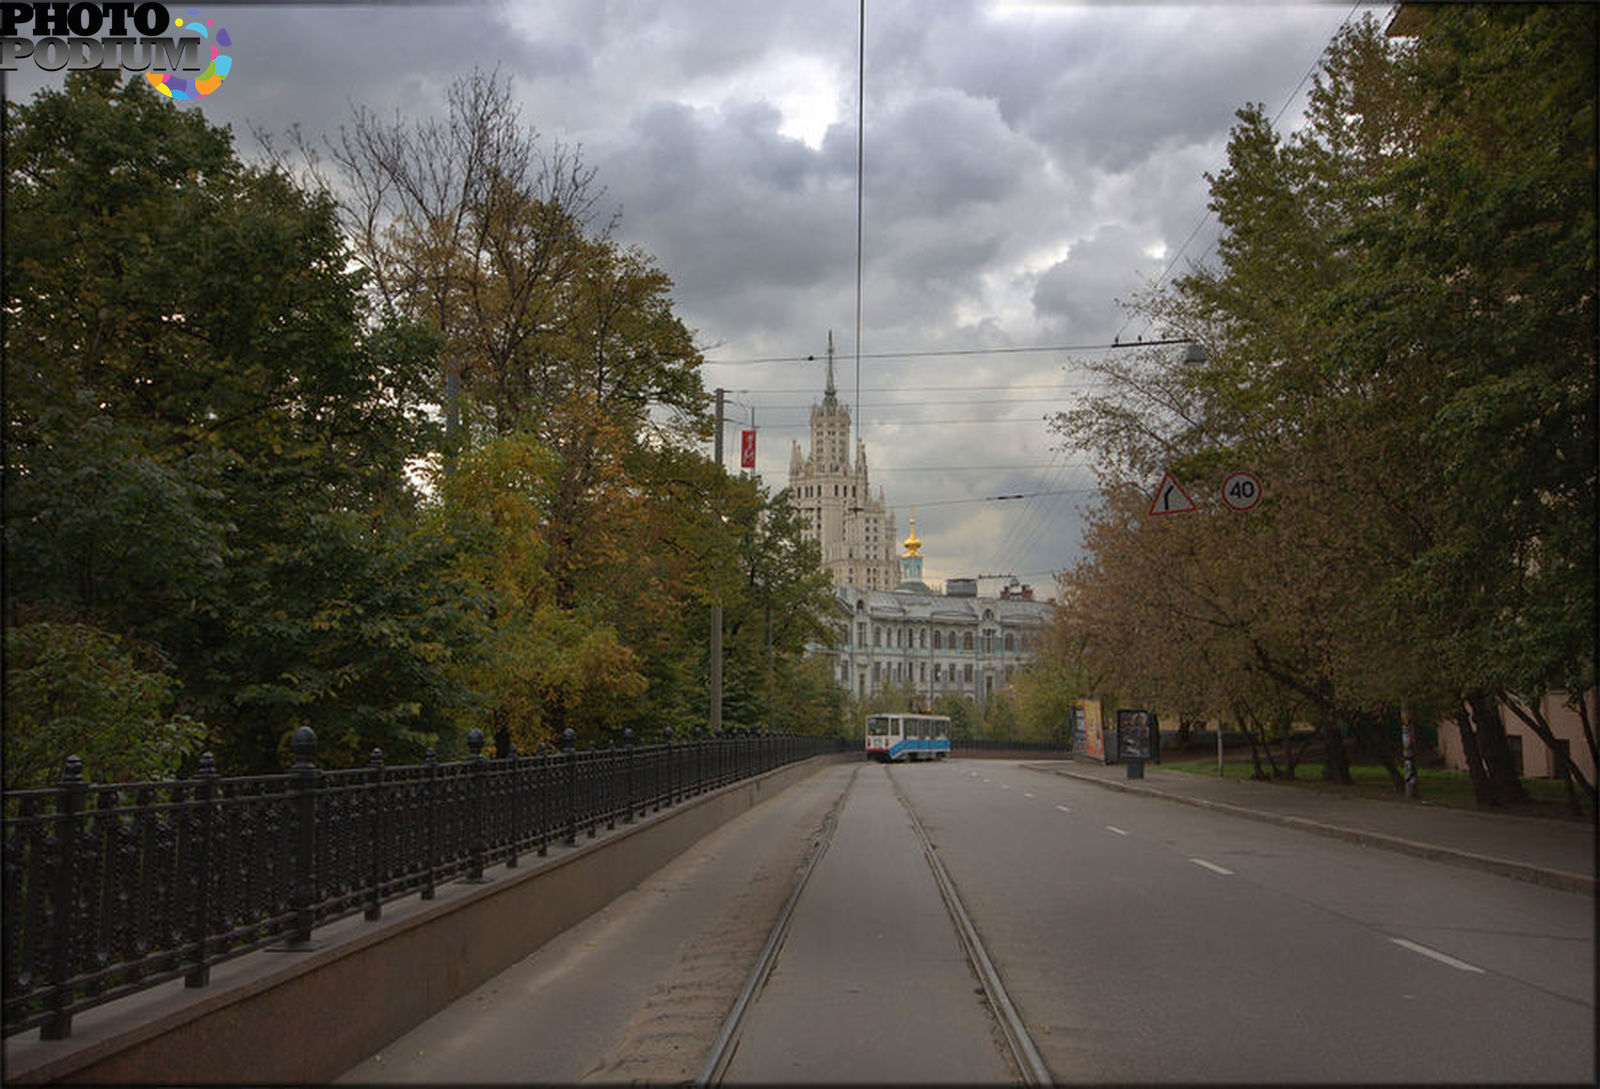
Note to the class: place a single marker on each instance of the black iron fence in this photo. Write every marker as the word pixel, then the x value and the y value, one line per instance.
pixel 112 889
pixel 996 744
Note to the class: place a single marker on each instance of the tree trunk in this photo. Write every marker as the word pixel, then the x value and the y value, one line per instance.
pixel 1482 791
pixel 1588 729
pixel 1292 754
pixel 1376 740
pixel 1260 745
pixel 1336 762
pixel 1534 719
pixel 1255 745
pixel 1500 764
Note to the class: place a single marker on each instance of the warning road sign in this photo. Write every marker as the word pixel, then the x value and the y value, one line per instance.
pixel 1170 498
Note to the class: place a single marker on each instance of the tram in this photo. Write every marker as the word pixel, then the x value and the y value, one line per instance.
pixel 908 737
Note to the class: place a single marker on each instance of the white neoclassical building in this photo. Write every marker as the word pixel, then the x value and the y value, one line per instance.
pixel 931 643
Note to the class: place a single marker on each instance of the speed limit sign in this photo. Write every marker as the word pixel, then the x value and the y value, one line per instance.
pixel 1241 491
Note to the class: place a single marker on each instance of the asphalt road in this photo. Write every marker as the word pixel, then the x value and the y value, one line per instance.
pixel 872 984
pixel 1142 941
pixel 1145 941
pixel 638 991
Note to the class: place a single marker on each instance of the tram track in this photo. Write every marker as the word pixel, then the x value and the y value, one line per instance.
pixel 728 1038
pixel 1023 1052
pixel 1023 1055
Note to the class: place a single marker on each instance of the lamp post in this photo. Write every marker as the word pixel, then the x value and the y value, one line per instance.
pixel 716 605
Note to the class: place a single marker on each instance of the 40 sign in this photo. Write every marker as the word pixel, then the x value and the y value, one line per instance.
pixel 1241 491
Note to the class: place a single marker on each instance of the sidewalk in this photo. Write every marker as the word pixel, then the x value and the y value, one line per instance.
pixel 1559 854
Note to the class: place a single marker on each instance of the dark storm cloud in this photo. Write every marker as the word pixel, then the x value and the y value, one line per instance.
pixel 1027 166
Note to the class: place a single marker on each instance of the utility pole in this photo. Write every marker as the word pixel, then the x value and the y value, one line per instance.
pixel 716 605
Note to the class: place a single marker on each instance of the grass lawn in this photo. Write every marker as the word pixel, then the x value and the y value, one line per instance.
pixel 1437 786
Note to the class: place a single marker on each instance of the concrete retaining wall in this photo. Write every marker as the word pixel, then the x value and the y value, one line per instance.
pixel 306 1017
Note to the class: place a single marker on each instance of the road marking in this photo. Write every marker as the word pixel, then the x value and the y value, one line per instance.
pixel 1212 866
pixel 1025 794
pixel 1114 828
pixel 1434 954
pixel 1063 809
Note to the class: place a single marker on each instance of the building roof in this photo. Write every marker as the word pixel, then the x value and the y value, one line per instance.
pixel 907 603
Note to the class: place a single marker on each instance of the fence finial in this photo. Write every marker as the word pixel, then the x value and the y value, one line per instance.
pixel 304 746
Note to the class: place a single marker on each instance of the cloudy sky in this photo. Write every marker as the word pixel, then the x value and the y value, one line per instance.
pixel 1027 165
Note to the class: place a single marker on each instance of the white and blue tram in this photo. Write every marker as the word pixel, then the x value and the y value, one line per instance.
pixel 908 737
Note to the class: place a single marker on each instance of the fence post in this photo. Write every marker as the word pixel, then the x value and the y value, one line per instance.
pixel 596 788
pixel 375 819
pixel 669 770
pixel 518 817
pixel 542 800
pixel 480 806
pixel 430 806
pixel 303 777
pixel 570 747
pixel 69 810
pixel 205 799
pixel 627 741
pixel 611 783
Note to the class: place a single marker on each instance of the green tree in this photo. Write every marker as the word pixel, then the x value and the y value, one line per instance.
pixel 1399 342
pixel 207 431
pixel 73 690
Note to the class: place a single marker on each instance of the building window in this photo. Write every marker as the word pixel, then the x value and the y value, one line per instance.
pixel 877 638
pixel 966 644
pixel 923 672
pixel 1010 642
pixel 922 637
pixel 967 673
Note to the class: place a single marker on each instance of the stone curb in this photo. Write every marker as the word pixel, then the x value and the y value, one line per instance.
pixel 1520 871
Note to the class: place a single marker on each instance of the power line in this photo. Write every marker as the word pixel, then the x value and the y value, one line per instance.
pixel 989 498
pixel 861 187
pixel 789 406
pixel 1281 110
pixel 960 468
pixel 922 388
pixel 942 354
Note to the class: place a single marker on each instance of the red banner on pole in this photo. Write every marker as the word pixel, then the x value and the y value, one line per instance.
pixel 747 449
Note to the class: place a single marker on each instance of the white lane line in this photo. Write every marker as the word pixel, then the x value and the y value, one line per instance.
pixel 1063 809
pixel 1434 954
pixel 1114 828
pixel 1212 866
pixel 1025 794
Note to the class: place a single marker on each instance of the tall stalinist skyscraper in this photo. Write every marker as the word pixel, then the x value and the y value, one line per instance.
pixel 835 502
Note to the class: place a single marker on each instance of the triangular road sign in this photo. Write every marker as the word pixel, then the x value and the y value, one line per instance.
pixel 1170 498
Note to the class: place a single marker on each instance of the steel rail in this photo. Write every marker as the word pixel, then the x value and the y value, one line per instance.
pixel 722 1051
pixel 1026 1055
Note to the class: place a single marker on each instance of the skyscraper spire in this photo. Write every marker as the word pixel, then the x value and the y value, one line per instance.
pixel 828 394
